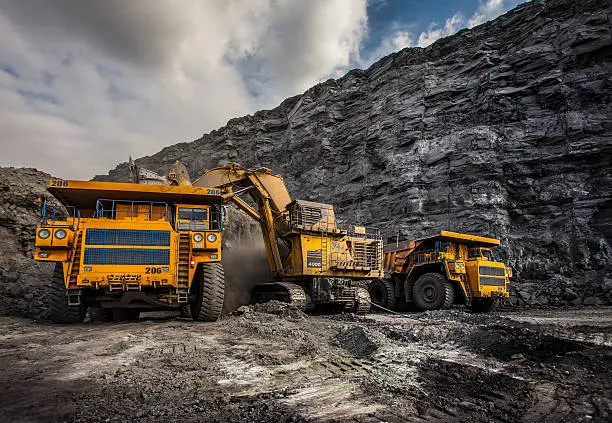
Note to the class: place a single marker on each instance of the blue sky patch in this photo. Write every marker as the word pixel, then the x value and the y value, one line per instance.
pixel 386 17
pixel 10 70
pixel 34 96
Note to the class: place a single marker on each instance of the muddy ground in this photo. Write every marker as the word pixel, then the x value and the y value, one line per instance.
pixel 521 365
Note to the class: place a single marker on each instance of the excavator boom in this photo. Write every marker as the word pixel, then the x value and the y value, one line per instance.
pixel 266 189
pixel 319 260
pixel 269 186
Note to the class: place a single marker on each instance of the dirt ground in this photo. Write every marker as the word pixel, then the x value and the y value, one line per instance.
pixel 274 364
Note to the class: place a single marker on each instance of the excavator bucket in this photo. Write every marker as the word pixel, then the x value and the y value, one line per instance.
pixel 179 175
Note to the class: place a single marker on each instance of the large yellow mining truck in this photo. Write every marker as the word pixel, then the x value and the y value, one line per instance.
pixel 315 261
pixel 433 273
pixel 121 248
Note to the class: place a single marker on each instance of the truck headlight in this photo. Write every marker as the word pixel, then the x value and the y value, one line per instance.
pixel 211 237
pixel 60 234
pixel 198 237
pixel 44 234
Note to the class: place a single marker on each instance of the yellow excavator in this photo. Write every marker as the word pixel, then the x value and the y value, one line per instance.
pixel 315 261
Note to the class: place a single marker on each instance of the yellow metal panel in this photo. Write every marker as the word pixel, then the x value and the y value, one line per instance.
pixel 360 230
pixel 84 194
pixel 456 236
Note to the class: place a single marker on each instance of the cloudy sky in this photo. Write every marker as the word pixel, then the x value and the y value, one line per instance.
pixel 84 83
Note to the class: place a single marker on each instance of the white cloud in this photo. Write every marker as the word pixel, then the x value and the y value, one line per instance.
pixel 398 40
pixel 488 10
pixel 98 81
pixel 434 33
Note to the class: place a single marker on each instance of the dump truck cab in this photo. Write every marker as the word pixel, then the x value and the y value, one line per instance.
pixel 440 270
pixel 124 248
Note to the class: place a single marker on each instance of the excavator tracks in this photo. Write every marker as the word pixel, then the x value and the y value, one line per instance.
pixel 287 292
pixel 362 301
pixel 295 294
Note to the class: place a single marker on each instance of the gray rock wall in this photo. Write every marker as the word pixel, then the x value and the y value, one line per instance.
pixel 22 280
pixel 503 130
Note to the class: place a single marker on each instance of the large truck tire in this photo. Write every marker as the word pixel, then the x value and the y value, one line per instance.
pixel 59 310
pixel 382 293
pixel 484 305
pixel 432 291
pixel 209 289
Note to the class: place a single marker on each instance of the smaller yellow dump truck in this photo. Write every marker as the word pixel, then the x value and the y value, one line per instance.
pixel 435 272
pixel 120 249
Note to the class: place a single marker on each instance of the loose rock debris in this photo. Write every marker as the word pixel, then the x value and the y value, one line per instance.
pixel 268 363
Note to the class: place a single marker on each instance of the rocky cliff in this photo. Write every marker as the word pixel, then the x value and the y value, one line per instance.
pixel 22 280
pixel 503 130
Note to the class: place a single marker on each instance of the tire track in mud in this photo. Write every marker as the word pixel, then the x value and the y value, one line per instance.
pixel 430 367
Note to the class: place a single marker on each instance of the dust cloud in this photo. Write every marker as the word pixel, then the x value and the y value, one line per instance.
pixel 244 259
pixel 245 266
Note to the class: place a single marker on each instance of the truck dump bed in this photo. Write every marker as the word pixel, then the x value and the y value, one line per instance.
pixel 84 194
pixel 409 245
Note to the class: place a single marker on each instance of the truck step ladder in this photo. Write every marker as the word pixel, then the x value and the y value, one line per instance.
pixel 184 255
pixel 75 268
pixel 324 251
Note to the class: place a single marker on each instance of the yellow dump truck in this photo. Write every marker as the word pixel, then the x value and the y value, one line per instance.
pixel 121 248
pixel 435 272
pixel 316 262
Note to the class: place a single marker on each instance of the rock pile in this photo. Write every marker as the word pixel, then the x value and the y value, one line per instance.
pixel 22 280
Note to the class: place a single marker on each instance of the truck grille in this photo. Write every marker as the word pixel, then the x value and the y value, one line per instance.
pixel 487 280
pixel 127 237
pixel 138 256
pixel 492 271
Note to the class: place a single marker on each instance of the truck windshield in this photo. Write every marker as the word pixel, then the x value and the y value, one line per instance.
pixel 193 214
pixel 480 253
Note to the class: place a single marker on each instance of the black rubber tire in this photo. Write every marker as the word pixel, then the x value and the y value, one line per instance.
pixel 59 310
pixel 450 294
pixel 382 293
pixel 432 291
pixel 484 305
pixel 100 314
pixel 209 289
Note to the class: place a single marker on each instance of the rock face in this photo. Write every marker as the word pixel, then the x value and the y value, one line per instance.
pixel 503 130
pixel 22 280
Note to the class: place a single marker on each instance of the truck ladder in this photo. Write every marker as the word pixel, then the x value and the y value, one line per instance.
pixel 324 251
pixel 75 268
pixel 360 257
pixel 468 290
pixel 184 255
